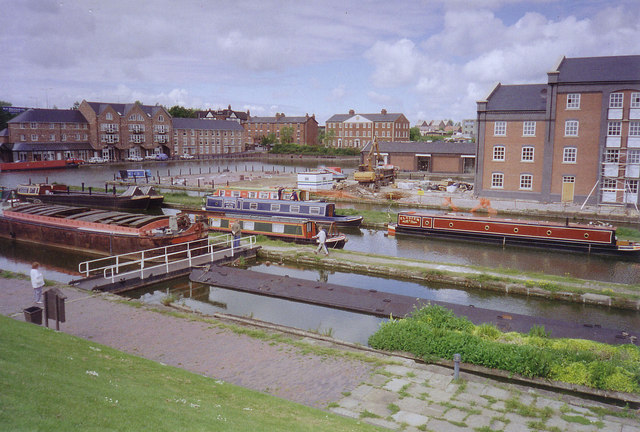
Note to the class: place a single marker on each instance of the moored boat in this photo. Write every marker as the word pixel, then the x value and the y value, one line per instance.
pixel 294 230
pixel 155 199
pixel 39 165
pixel 134 174
pixel 132 199
pixel 263 193
pixel 315 210
pixel 599 239
pixel 97 231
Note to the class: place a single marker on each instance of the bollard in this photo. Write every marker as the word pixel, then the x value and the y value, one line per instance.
pixel 456 366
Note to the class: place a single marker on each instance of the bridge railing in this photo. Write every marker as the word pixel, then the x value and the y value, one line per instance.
pixel 162 258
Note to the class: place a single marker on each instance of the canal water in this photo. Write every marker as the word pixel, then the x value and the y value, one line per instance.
pixel 62 266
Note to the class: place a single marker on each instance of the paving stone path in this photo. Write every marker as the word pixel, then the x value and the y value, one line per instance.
pixel 402 395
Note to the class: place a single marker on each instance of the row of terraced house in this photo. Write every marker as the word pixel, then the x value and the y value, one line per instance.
pixel 115 131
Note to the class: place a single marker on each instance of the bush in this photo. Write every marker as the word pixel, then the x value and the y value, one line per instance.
pixel 434 331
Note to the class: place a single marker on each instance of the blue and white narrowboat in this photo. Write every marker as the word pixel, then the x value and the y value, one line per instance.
pixel 319 211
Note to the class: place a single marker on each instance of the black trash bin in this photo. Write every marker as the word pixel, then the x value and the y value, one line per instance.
pixel 33 314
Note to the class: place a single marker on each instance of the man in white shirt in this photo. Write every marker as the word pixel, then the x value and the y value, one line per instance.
pixel 322 241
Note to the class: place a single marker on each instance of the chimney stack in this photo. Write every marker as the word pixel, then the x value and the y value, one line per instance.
pixel 351 112
pixel 384 111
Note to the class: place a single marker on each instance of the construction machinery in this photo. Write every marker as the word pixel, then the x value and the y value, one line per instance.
pixel 373 171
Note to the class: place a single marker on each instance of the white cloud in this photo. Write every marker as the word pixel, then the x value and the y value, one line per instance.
pixel 395 63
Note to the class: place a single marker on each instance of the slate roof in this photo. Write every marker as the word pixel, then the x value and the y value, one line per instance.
pixel 49 116
pixel 279 119
pixel 435 147
pixel 524 97
pixel 379 117
pixel 241 115
pixel 122 109
pixel 56 146
pixel 599 69
pixel 205 124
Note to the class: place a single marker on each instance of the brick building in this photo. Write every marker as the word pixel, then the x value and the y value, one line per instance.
pixel 119 131
pixel 574 139
pixel 305 129
pixel 202 137
pixel 46 134
pixel 438 157
pixel 224 114
pixel 355 130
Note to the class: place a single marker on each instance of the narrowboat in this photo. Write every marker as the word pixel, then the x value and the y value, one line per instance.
pixel 293 230
pixel 39 165
pixel 96 231
pixel 319 211
pixel 600 239
pixel 131 199
pixel 263 193
pixel 134 174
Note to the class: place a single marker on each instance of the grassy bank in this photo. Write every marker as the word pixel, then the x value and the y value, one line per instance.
pixel 54 381
pixel 434 331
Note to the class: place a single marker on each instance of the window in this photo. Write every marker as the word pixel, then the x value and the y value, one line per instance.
pixel 615 100
pixel 633 157
pixel 635 100
pixel 573 101
pixel 527 154
pixel 571 128
pixel 529 128
pixel 34 125
pixel 497 180
pixel 161 118
pixel 612 156
pixel 634 128
pixel 500 128
pixel 569 155
pixel 34 137
pixel 109 116
pixel 614 128
pixel 631 186
pixel 609 185
pixel 498 153
pixel 568 179
pixel 526 181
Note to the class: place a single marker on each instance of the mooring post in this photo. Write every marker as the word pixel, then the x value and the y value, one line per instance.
pixel 456 366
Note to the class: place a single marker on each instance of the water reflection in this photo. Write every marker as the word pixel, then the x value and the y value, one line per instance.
pixel 614 318
pixel 209 300
pixel 561 263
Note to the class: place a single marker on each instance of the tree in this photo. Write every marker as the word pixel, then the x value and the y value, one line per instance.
pixel 4 115
pixel 182 112
pixel 414 134
pixel 268 140
pixel 326 137
pixel 76 105
pixel 286 135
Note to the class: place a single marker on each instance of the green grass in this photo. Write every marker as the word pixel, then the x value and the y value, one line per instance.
pixel 624 233
pixel 53 381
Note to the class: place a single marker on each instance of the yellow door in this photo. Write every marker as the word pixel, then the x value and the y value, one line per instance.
pixel 567 191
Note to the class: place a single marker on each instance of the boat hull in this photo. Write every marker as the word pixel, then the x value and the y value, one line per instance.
pixel 94 200
pixel 581 238
pixel 90 239
pixel 36 165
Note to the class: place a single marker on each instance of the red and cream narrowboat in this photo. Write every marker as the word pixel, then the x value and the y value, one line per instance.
pixel 287 229
pixel 579 237
pixel 96 231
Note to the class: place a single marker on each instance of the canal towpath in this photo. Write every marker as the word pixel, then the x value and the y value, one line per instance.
pixel 390 392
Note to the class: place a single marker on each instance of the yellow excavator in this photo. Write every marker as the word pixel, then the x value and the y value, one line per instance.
pixel 373 172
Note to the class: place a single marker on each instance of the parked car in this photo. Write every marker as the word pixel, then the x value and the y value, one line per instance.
pixel 96 160
pixel 186 156
pixel 162 157
pixel 135 159
pixel 150 157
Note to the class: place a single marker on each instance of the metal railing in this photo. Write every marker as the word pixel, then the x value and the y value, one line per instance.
pixel 180 255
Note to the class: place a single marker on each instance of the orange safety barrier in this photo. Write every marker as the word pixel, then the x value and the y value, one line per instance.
pixel 447 203
pixel 484 203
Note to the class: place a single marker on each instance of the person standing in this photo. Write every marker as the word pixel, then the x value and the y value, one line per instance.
pixel 37 282
pixel 236 233
pixel 322 241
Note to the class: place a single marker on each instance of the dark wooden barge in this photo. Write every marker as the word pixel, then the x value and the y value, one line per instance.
pixel 96 231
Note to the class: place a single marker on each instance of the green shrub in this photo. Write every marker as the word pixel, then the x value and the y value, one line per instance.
pixel 434 331
pixel 539 331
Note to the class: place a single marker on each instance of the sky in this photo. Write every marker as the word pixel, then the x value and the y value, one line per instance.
pixel 426 59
